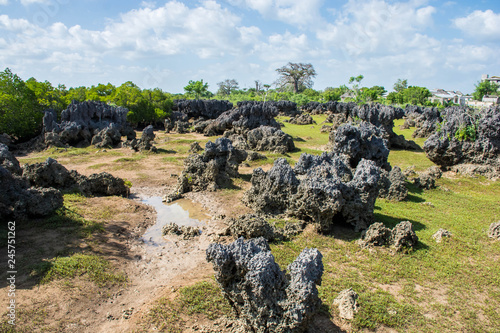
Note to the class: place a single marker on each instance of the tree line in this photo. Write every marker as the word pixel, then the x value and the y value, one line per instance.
pixel 22 102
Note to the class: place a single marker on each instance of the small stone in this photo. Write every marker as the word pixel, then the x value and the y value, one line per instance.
pixel 494 231
pixel 438 236
pixel 347 303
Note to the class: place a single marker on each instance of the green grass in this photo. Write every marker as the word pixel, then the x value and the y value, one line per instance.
pixel 201 299
pixel 96 268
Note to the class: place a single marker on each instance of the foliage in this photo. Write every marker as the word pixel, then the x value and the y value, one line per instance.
pixel 297 76
pixel 400 85
pixel 411 95
pixel 485 88
pixel 197 89
pixel 20 112
pixel 466 132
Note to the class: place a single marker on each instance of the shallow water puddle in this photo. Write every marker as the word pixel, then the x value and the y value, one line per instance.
pixel 181 212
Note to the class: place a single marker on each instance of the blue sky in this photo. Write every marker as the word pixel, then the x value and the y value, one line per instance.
pixel 436 44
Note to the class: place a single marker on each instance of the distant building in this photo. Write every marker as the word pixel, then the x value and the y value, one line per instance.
pixel 494 79
pixel 445 96
pixel 491 99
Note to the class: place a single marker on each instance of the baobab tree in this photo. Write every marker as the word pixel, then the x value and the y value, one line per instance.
pixel 296 75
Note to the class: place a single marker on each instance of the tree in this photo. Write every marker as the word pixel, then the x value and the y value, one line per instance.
pixel 197 89
pixel 20 113
pixel 355 87
pixel 298 76
pixel 227 86
pixel 400 85
pixel 484 88
pixel 415 95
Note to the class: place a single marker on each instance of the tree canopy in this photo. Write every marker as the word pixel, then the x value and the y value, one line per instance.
pixel 400 85
pixel 197 89
pixel 227 86
pixel 485 88
pixel 297 76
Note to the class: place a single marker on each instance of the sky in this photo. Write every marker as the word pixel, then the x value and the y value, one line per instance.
pixel 434 44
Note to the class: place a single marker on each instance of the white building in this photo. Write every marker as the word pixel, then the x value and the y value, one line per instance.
pixel 494 79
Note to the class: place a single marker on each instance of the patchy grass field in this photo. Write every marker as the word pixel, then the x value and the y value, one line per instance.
pixel 453 286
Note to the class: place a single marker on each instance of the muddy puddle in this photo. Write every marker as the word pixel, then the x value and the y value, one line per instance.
pixel 181 212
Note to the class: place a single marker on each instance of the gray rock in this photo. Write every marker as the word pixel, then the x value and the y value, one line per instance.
pixel 195 147
pixel 403 236
pixel 8 161
pixel 81 119
pixel 211 170
pixel 52 174
pixel 254 156
pixel 18 201
pixel 392 185
pixel 361 142
pixel 266 138
pixel 400 237
pixel 438 236
pixel 328 193
pixel 145 143
pixel 494 231
pixel 303 119
pixel 347 303
pixel 260 293
pixel 186 232
pixel 466 137
pixel 251 226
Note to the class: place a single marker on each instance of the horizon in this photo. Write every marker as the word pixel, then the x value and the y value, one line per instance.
pixel 165 44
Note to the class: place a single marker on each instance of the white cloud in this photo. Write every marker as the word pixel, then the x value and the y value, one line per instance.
pixel 480 24
pixel 293 12
pixel 30 2
pixel 4 2
pixel 283 48
pixel 368 26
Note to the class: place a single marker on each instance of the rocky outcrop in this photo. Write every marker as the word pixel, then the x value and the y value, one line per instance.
pixel 195 147
pixel 266 138
pixel 494 230
pixel 251 226
pixel 400 237
pixel 440 234
pixel 364 141
pixel 8 161
pixel 245 117
pixel 392 185
pixel 211 170
pixel 303 119
pixel 185 232
pixel 267 299
pixel 467 137
pixel 81 121
pixel 328 191
pixel 19 201
pixel 52 174
pixel 145 143
pixel 208 109
pixel 347 303
pixel 426 123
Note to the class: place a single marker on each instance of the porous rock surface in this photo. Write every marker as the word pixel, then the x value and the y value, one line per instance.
pixel 260 292
pixel 251 226
pixel 440 234
pixel 392 185
pixel 494 230
pixel 81 121
pixel 400 237
pixel 145 143
pixel 247 116
pixel 467 137
pixel 209 109
pixel 19 201
pixel 365 141
pixel 8 161
pixel 186 232
pixel 267 138
pixel 303 119
pixel 328 190
pixel 211 170
pixel 52 174
pixel 347 303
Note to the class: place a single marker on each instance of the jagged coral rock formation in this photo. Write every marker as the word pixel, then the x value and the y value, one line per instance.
pixel 260 292
pixel 209 171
